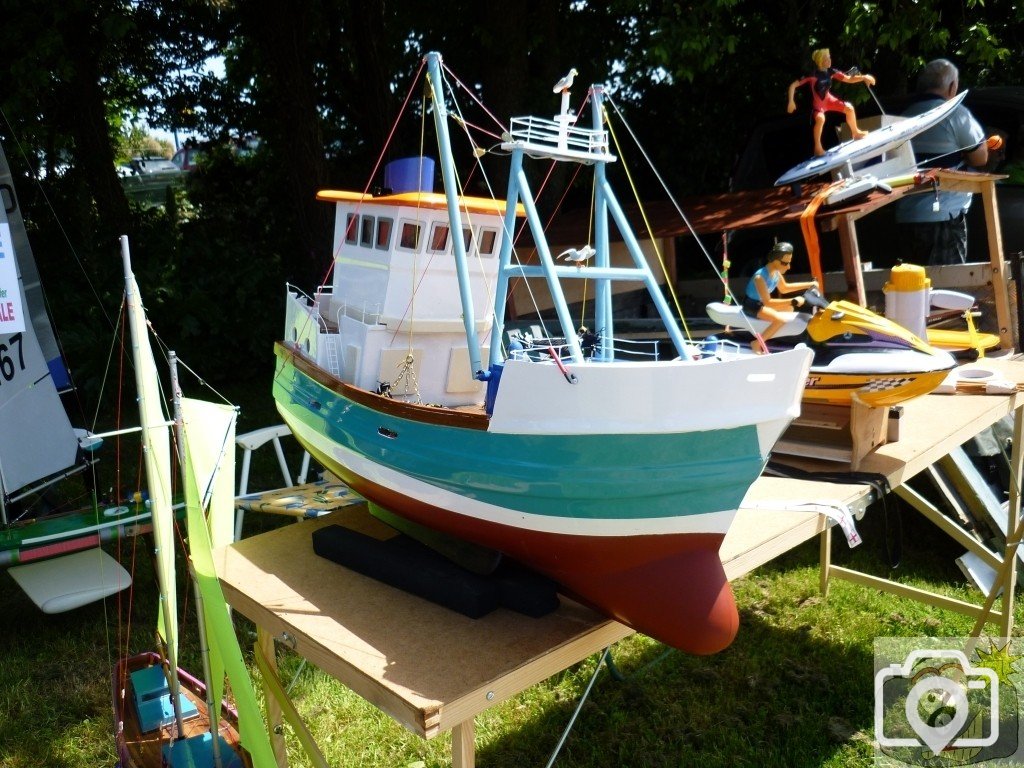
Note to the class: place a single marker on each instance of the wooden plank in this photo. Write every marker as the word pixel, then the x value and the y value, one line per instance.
pixel 463 753
pixel 924 439
pixel 969 484
pixel 772 519
pixel 1013 539
pixel 279 704
pixel 265 648
pixel 851 260
pixel 949 527
pixel 913 593
pixel 869 428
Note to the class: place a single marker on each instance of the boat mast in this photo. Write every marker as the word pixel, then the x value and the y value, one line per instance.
pixel 212 710
pixel 607 202
pixel 603 316
pixel 454 217
pixel 156 449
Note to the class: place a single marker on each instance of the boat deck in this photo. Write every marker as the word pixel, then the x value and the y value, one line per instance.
pixel 433 670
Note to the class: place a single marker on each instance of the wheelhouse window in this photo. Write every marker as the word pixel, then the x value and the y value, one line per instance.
pixel 488 239
pixel 366 231
pixel 384 227
pixel 352 229
pixel 438 238
pixel 467 239
pixel 409 237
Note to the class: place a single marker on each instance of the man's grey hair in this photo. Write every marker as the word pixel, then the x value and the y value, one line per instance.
pixel 938 76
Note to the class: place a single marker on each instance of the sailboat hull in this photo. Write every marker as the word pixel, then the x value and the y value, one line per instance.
pixel 628 522
pixel 136 749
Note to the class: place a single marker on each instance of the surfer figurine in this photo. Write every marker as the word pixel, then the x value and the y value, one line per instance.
pixel 823 99
pixel 758 301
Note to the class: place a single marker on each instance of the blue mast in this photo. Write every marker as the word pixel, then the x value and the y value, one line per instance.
pixel 454 217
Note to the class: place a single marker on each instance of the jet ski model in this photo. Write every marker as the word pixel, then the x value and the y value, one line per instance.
pixel 855 351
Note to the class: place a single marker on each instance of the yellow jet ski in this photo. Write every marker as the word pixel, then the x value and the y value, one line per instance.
pixel 855 350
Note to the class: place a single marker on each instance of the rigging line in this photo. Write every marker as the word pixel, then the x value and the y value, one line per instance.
pixel 456 115
pixel 590 232
pixel 854 71
pixel 465 123
pixel 380 157
pixel 182 364
pixel 56 218
pixel 409 312
pixel 956 166
pixel 371 177
pixel 547 180
pixel 550 221
pixel 664 186
pixel 410 307
pixel 106 370
pixel 446 70
pixel 650 232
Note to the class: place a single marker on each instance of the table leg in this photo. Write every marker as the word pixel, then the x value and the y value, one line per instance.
pixel 265 640
pixel 1013 521
pixel 463 754
pixel 825 548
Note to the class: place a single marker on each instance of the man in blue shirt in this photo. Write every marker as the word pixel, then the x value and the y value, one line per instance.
pixel 935 226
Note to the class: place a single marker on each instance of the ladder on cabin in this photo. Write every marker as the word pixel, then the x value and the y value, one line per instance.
pixel 333 358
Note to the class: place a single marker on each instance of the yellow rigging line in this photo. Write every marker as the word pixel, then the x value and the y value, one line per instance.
pixel 650 233
pixel 590 233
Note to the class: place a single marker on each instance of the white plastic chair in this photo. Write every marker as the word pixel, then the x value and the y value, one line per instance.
pixel 249 442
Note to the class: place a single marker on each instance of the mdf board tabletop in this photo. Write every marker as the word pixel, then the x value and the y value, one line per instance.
pixel 428 667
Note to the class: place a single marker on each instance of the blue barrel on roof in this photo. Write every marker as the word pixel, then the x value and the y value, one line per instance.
pixel 410 174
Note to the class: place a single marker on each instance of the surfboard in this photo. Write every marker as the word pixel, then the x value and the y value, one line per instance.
pixel 875 143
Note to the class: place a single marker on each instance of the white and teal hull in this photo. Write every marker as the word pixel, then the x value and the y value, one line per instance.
pixel 599 490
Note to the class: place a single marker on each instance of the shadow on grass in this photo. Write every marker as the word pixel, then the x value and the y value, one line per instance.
pixel 794 689
pixel 775 697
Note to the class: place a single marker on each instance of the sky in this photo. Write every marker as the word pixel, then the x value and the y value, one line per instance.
pixel 215 66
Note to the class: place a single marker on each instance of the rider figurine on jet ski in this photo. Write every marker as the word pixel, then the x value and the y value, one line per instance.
pixel 758 301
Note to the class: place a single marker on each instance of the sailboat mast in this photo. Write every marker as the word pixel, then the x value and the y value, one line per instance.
pixel 156 451
pixel 212 709
pixel 454 217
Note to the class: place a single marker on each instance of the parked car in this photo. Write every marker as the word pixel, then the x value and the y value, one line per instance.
pixel 187 158
pixel 140 166
pixel 148 179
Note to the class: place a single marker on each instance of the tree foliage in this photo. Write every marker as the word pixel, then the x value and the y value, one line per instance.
pixel 321 82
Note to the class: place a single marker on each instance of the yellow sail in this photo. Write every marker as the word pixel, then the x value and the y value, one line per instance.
pixel 156 448
pixel 209 471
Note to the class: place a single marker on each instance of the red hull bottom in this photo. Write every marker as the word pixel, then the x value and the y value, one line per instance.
pixel 671 587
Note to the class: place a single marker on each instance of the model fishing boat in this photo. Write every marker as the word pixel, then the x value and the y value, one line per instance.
pixel 856 351
pixel 618 478
pixel 161 713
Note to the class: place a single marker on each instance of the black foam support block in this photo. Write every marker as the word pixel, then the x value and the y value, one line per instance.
pixel 417 569
pixel 409 566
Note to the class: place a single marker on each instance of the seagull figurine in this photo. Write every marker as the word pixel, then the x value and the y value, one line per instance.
pixel 566 82
pixel 577 255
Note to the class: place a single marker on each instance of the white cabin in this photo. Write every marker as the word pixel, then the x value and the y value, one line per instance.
pixel 393 313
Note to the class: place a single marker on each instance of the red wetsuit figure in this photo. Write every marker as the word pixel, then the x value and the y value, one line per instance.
pixel 823 99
